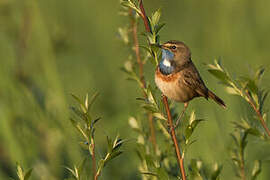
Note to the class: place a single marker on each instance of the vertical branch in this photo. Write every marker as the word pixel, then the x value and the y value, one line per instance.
pixel 258 114
pixel 242 165
pixel 136 46
pixel 140 64
pixel 93 156
pixel 144 17
pixel 242 145
pixel 180 159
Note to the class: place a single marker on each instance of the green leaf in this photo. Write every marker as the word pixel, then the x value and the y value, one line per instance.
pixel 118 143
pixel 232 91
pixel 149 107
pixel 80 130
pixel 150 161
pixel 95 121
pixel 249 84
pixel 262 95
pixel 162 174
pixel 216 172
pixel 112 156
pixel 159 27
pixel 78 112
pixel 92 100
pixel 72 171
pixel 130 4
pixel 133 123
pixel 191 127
pixel 255 132
pixel 149 173
pixel 222 76
pixel 109 144
pixel 147 49
pixel 77 99
pixel 101 165
pixel 28 174
pixel 20 172
pixel 155 18
pixel 123 33
pixel 159 116
pixel 81 166
pixel 257 168
pixel 259 73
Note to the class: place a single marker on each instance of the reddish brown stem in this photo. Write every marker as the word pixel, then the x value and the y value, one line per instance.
pixel 242 166
pixel 180 159
pixel 136 47
pixel 165 102
pixel 250 101
pixel 140 64
pixel 144 16
pixel 93 156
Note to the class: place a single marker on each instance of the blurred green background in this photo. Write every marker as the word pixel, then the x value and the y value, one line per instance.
pixel 51 48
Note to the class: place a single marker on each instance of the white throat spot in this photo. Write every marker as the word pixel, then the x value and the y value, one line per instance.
pixel 167 63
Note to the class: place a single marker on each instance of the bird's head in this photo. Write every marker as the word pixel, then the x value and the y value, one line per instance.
pixel 175 51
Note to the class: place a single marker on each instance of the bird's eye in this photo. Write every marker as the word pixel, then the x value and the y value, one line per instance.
pixel 173 47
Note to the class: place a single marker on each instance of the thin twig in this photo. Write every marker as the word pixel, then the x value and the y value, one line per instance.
pixel 144 16
pixel 180 159
pixel 140 64
pixel 250 101
pixel 93 156
pixel 165 102
pixel 136 46
pixel 182 114
pixel 242 165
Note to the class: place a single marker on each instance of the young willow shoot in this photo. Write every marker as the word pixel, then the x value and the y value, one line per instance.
pixel 238 155
pixel 85 125
pixel 162 163
pixel 23 175
pixel 249 89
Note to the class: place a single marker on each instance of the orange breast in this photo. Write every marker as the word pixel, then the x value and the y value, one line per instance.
pixel 171 86
pixel 167 78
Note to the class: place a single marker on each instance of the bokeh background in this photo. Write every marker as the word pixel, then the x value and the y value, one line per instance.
pixel 49 49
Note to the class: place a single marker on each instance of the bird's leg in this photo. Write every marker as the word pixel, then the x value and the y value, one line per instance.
pixel 181 115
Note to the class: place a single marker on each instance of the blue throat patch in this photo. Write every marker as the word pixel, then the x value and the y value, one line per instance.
pixel 165 65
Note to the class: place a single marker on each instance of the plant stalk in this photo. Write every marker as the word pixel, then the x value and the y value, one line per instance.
pixel 180 159
pixel 93 157
pixel 165 102
pixel 258 114
pixel 140 64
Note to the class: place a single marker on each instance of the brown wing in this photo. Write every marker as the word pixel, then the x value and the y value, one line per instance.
pixel 192 79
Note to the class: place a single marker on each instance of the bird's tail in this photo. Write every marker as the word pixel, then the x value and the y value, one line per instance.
pixel 216 99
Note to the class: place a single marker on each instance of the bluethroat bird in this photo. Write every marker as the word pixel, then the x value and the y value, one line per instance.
pixel 177 77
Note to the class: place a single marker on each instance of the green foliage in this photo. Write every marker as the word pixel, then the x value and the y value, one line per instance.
pixel 250 90
pixel 157 161
pixel 77 171
pixel 198 170
pixel 23 175
pixel 238 155
pixel 50 48
pixel 86 128
pixel 246 87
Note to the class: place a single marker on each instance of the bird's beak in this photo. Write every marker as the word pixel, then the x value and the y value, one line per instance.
pixel 162 46
pixel 159 46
